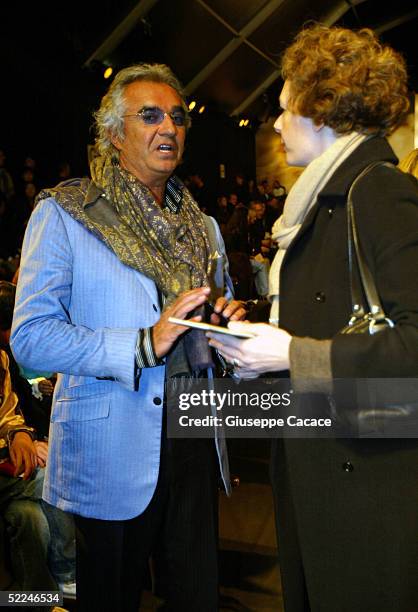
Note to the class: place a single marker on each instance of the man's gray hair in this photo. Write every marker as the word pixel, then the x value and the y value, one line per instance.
pixel 109 117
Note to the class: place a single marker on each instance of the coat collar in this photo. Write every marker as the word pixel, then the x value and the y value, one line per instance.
pixel 373 149
pixel 337 188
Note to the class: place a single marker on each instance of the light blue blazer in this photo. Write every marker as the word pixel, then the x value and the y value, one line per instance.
pixel 78 310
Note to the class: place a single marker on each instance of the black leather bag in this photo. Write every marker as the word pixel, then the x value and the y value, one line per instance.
pixel 371 319
pixel 383 408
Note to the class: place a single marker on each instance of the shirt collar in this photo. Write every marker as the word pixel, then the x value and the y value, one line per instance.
pixel 173 194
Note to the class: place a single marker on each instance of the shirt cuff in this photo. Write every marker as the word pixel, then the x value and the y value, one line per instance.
pixel 145 356
pixel 310 365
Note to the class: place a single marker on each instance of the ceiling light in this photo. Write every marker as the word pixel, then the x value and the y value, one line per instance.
pixel 192 105
pixel 108 72
pixel 241 123
pixel 202 109
pixel 246 122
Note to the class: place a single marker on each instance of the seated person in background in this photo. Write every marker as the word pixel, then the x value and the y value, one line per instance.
pixel 34 399
pixel 235 234
pixel 223 211
pixel 260 265
pixel 20 506
pixel 35 412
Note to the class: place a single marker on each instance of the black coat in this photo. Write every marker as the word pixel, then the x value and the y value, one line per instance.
pixel 347 510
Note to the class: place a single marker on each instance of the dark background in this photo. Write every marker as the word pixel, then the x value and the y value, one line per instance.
pixel 48 94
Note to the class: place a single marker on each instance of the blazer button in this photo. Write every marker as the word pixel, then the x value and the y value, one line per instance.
pixel 157 401
pixel 348 466
pixel 320 296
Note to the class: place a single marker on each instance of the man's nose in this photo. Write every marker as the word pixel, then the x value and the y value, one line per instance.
pixel 167 126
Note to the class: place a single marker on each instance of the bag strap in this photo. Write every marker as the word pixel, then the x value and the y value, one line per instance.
pixel 361 278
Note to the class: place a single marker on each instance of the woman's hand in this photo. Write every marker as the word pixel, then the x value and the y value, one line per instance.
pixel 268 351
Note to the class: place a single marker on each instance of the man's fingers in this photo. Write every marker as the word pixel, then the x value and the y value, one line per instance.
pixel 239 314
pixel 29 461
pixel 17 462
pixel 187 302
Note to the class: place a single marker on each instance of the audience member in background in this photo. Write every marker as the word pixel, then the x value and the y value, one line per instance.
pixel 240 187
pixel 252 189
pixel 237 248
pixel 35 404
pixel 410 163
pixel 30 193
pixel 27 176
pixel 7 187
pixel 222 212
pixel 200 192
pixel 26 524
pixel 8 240
pixel 236 229
pixel 64 172
pixel 262 226
pixel 261 193
pixel 35 411
pixel 257 226
pixel 278 190
pixel 260 265
pixel 274 208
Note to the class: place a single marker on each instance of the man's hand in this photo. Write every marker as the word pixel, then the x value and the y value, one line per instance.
pixel 46 387
pixel 233 311
pixel 164 333
pixel 41 453
pixel 23 454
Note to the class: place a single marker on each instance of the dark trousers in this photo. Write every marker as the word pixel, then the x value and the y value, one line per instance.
pixel 179 529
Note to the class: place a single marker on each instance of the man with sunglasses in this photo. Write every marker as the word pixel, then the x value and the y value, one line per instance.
pixel 105 263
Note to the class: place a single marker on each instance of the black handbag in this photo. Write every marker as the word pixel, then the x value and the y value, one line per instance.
pixel 383 407
pixel 363 320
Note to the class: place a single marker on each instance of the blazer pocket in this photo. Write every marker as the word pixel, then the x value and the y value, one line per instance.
pixel 79 404
pixel 79 392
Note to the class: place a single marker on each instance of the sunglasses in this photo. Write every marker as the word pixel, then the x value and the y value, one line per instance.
pixel 153 115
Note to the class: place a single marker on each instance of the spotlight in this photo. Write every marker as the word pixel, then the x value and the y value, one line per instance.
pixel 241 123
pixel 202 109
pixel 246 122
pixel 108 72
pixel 192 105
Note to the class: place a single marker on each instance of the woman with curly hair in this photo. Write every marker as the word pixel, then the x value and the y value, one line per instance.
pixel 346 507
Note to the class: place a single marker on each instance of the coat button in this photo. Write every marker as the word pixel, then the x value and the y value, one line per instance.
pixel 157 401
pixel 348 466
pixel 320 296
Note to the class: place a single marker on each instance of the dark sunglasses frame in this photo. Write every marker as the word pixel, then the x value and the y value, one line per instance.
pixel 156 116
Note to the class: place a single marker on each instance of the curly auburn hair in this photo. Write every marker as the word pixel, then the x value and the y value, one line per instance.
pixel 346 80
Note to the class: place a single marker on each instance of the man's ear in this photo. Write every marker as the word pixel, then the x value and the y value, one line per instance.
pixel 115 140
